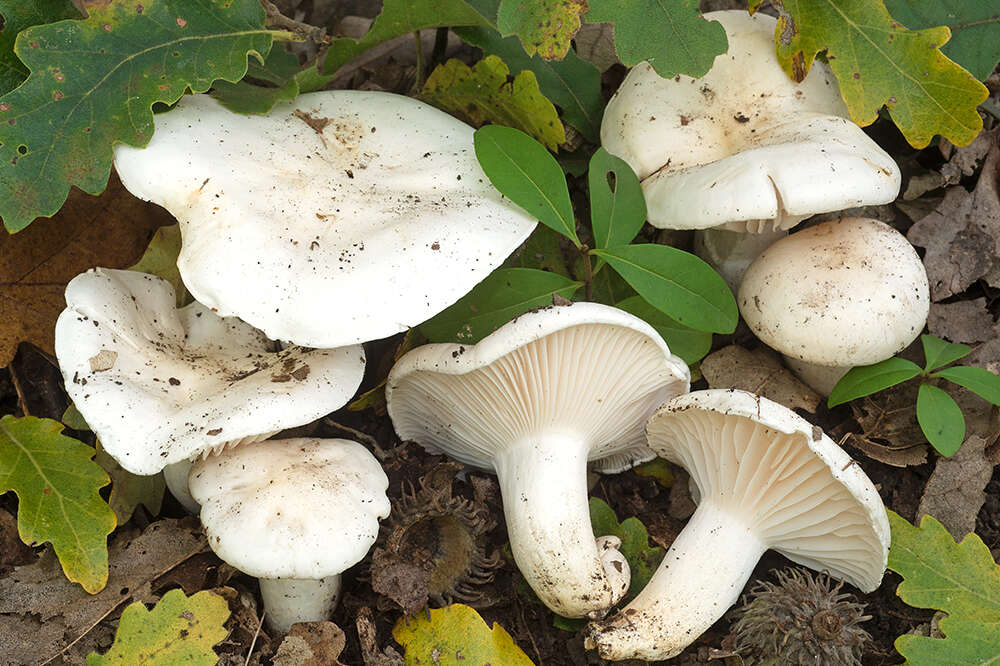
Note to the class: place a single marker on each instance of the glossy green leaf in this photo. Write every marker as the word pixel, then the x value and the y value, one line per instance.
pixel 617 206
pixel 57 484
pixel 688 343
pixel 867 379
pixel 528 175
pixel 607 287
pixel 265 84
pixel 940 419
pixel 486 93
pixel 573 84
pixel 974 25
pixel 981 382
pixel 544 27
pixel 960 579
pixel 93 83
pixel 642 558
pixel 18 15
pixel 402 17
pixel 676 283
pixel 545 249
pixel 670 34
pixel 938 352
pixel 179 630
pixel 456 636
pixel 505 294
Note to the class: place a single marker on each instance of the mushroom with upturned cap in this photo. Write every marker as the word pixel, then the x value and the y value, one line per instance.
pixel 767 479
pixel 294 513
pixel 836 295
pixel 535 401
pixel 298 220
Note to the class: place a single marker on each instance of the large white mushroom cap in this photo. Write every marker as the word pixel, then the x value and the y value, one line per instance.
pixel 159 385
pixel 841 293
pixel 744 145
pixel 766 479
pixel 535 401
pixel 340 217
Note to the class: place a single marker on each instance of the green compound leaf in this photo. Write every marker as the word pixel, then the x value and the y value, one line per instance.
pixel 57 485
pixel 670 34
pixel 93 83
pixel 617 205
pixel 879 62
pixel 688 343
pixel 18 15
pixel 938 352
pixel 960 579
pixel 544 27
pixel 981 382
pixel 867 379
pixel 642 558
pixel 940 419
pixel 527 174
pixel 974 25
pixel 456 636
pixel 483 93
pixel 503 295
pixel 266 83
pixel 179 630
pixel 573 84
pixel 676 283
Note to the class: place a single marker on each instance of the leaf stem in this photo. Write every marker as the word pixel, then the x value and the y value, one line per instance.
pixel 588 272
pixel 419 82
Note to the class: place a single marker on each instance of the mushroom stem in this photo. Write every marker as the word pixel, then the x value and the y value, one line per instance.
pixel 820 378
pixel 291 600
pixel 543 482
pixel 176 478
pixel 700 577
pixel 730 253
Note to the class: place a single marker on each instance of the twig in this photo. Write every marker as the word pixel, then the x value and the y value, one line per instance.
pixel 419 82
pixel 302 30
pixel 17 389
pixel 255 635
pixel 588 272
pixel 380 453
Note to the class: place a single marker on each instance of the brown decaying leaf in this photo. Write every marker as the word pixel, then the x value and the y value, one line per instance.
pixel 110 230
pixel 889 429
pixel 595 43
pixel 67 612
pixel 961 162
pixel 311 644
pixel 966 322
pixel 962 235
pixel 759 372
pixel 13 551
pixel 956 490
pixel 368 638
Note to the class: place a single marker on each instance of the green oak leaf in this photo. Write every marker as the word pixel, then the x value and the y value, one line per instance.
pixel 960 579
pixel 455 636
pixel 18 15
pixel 670 34
pixel 974 25
pixel 485 93
pixel 573 84
pixel 867 379
pixel 544 27
pixel 940 419
pixel 93 83
pixel 503 295
pixel 57 484
pixel 266 83
pixel 879 62
pixel 179 630
pixel 642 558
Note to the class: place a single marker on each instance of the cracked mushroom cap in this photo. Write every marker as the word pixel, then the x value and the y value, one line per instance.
pixel 291 508
pixel 159 385
pixel 744 145
pixel 585 368
pixel 795 489
pixel 841 293
pixel 340 217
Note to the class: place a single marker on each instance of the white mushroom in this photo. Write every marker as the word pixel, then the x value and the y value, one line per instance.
pixel 744 148
pixel 341 217
pixel 536 401
pixel 836 295
pixel 294 513
pixel 767 479
pixel 160 385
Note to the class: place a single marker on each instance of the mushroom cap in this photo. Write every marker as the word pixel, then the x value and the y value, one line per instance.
pixel 848 292
pixel 291 508
pixel 159 385
pixel 340 217
pixel 583 369
pixel 797 491
pixel 744 145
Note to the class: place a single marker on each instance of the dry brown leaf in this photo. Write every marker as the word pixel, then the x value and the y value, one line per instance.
pixel 966 322
pixel 311 644
pixel 110 230
pixel 956 490
pixel 889 429
pixel 962 235
pixel 961 162
pixel 912 455
pixel 759 372
pixel 595 43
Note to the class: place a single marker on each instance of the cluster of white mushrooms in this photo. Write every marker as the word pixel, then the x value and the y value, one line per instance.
pixel 347 216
